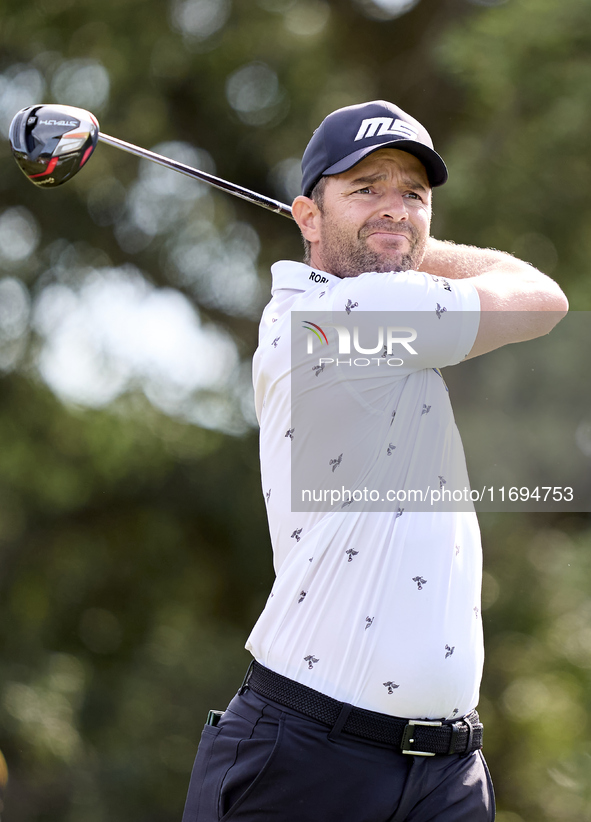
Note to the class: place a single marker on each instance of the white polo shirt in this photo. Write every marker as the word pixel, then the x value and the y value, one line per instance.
pixel 380 609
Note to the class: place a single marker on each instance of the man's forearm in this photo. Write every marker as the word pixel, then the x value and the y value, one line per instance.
pixel 458 262
pixel 517 301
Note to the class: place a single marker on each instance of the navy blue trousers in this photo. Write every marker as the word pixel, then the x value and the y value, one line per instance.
pixel 267 763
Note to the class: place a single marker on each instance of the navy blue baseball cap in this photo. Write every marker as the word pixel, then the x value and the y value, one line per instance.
pixel 349 134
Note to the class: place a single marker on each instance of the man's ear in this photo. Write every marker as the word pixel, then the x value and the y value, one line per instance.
pixel 307 215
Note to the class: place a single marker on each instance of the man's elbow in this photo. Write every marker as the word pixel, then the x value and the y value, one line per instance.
pixel 557 306
pixel 553 308
pixel 562 308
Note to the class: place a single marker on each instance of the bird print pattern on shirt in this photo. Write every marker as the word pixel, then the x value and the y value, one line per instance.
pixel 419 580
pixel 446 285
pixel 335 463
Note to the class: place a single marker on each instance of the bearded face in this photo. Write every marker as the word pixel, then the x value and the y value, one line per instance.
pixel 374 217
pixel 347 253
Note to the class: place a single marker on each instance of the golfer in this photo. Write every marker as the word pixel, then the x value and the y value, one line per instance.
pixel 360 703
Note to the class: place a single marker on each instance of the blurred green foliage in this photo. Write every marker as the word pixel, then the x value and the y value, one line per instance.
pixel 134 552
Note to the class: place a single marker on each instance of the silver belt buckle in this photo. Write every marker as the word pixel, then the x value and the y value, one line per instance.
pixel 408 741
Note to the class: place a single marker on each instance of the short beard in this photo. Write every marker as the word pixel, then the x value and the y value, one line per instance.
pixel 343 258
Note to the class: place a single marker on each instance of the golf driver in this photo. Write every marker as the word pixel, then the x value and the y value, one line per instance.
pixel 51 143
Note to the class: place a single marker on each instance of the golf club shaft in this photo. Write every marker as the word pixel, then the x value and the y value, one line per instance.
pixel 217 182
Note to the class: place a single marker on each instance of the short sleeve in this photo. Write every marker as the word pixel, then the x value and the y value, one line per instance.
pixel 445 313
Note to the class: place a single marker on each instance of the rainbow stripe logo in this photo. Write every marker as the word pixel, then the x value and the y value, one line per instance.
pixel 312 328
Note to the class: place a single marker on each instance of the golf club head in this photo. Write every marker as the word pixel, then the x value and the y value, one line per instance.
pixel 51 143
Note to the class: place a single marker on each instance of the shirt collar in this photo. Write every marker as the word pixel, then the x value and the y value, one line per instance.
pixel 288 274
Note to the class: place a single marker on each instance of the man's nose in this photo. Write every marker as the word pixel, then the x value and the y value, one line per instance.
pixel 393 205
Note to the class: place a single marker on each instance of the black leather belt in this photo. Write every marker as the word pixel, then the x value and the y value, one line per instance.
pixel 411 736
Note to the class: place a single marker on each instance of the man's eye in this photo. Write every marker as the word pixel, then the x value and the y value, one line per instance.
pixel 364 190
pixel 414 195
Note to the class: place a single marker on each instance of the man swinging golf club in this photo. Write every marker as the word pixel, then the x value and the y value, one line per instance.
pixel 360 702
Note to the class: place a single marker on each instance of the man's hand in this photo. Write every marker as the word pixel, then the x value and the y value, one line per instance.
pixel 517 301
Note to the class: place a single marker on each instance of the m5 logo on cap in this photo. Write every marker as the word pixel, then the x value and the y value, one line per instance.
pixel 385 126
